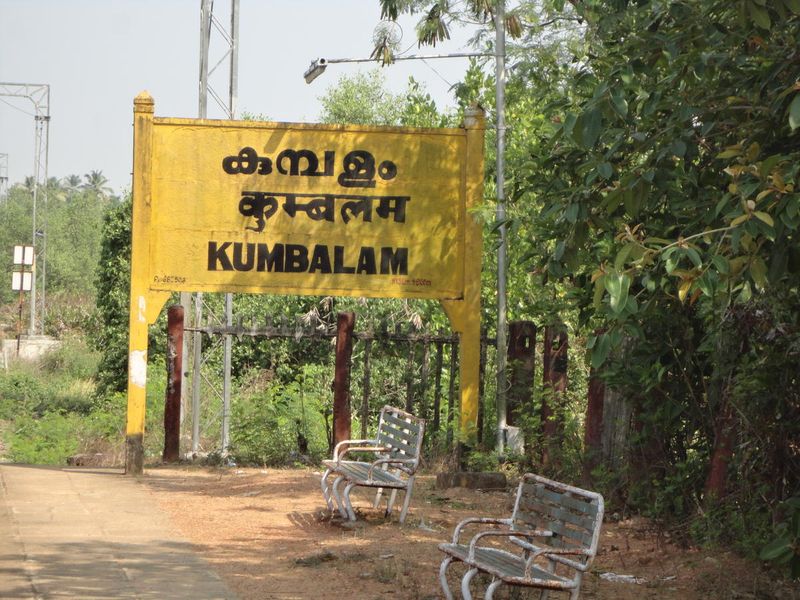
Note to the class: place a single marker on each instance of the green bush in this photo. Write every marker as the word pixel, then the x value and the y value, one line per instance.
pixel 22 391
pixel 784 550
pixel 283 423
pixel 48 440
pixel 72 359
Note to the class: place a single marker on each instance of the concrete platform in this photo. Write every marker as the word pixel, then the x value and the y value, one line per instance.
pixel 92 533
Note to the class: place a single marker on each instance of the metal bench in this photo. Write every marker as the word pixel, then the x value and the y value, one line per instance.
pixel 396 452
pixel 548 543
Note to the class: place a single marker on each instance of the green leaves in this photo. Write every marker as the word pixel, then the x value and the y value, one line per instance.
pixel 783 549
pixel 600 347
pixel 617 285
pixel 588 127
pixel 620 104
pixel 605 170
pixel 794 112
pixel 759 14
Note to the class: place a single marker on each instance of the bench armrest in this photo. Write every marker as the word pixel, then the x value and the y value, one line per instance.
pixel 505 533
pixel 482 520
pixel 391 461
pixel 336 450
pixel 552 552
pixel 362 449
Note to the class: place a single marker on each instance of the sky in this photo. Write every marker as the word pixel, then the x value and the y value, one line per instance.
pixel 97 55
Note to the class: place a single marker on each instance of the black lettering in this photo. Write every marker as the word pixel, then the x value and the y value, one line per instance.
pixel 264 166
pixel 320 260
pixel 296 258
pixel 387 170
pixel 247 263
pixel 312 163
pixel 366 262
pixel 245 162
pixel 294 157
pixel 219 255
pixel 394 261
pixel 338 261
pixel 271 261
pixel 358 170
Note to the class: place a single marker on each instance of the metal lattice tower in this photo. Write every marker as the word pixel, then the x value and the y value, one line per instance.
pixel 39 95
pixel 225 42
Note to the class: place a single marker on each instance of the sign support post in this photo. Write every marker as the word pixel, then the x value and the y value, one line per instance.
pixel 144 304
pixel 465 314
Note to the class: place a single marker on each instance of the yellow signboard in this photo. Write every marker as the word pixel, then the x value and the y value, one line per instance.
pixel 307 209
pixel 240 206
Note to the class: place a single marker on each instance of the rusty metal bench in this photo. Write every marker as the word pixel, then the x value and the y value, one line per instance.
pixel 548 543
pixel 396 452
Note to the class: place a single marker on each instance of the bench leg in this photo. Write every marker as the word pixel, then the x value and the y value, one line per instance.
pixel 347 503
pixel 337 495
pixel 377 501
pixel 577 591
pixel 465 581
pixel 492 587
pixel 390 505
pixel 551 568
pixel 407 499
pixel 443 578
pixel 326 493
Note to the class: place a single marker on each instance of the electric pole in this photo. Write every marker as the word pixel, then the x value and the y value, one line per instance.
pixel 228 35
pixel 39 95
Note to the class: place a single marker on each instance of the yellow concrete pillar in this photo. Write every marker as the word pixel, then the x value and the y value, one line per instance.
pixel 144 306
pixel 465 314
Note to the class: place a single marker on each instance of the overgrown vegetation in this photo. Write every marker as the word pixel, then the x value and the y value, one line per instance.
pixel 652 169
pixel 652 174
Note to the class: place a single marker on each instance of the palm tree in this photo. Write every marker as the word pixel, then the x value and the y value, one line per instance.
pixel 72 183
pixel 96 182
pixel 54 189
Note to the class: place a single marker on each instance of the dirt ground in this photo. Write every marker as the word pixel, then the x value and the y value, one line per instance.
pixel 267 534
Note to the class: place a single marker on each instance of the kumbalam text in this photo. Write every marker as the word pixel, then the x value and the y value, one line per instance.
pixel 296 258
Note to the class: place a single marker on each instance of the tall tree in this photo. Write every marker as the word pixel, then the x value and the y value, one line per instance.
pixel 97 182
pixel 72 183
pixel 652 182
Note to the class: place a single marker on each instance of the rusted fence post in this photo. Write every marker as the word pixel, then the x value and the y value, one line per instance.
pixel 593 432
pixel 412 350
pixel 172 401
pixel 341 379
pixel 437 392
pixel 554 359
pixel 423 383
pixel 522 363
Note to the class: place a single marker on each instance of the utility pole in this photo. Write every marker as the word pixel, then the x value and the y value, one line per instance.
pixel 319 66
pixel 500 217
pixel 230 41
pixel 39 95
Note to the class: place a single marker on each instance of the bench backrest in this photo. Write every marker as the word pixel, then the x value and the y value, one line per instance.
pixel 572 514
pixel 403 433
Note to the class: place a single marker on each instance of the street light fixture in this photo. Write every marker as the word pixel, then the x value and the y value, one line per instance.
pixel 318 66
pixel 316 69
